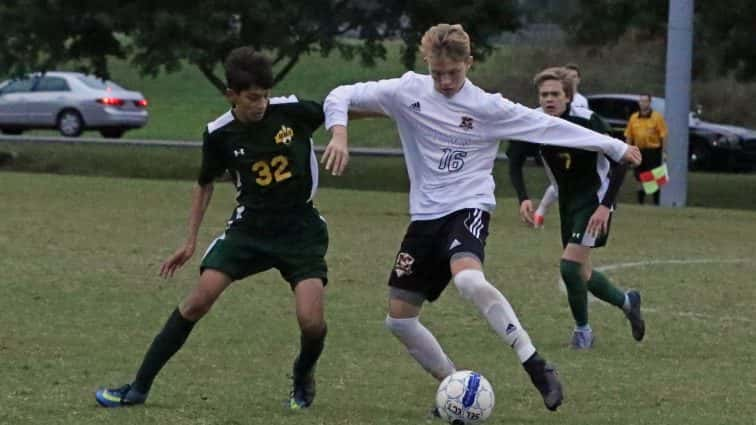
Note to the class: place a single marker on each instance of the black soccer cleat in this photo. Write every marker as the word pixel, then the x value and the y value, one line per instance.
pixel 546 379
pixel 637 324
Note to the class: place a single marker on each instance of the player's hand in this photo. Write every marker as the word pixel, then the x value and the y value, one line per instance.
pixel 175 261
pixel 336 155
pixel 526 212
pixel 632 156
pixel 599 221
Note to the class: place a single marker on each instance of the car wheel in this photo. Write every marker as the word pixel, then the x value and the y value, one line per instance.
pixel 70 123
pixel 112 133
pixel 11 131
pixel 699 157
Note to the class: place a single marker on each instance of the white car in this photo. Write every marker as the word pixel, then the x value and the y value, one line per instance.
pixel 71 102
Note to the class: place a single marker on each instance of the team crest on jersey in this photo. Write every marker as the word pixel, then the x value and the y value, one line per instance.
pixel 284 135
pixel 467 123
pixel 403 264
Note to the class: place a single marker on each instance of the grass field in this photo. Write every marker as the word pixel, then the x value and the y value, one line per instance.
pixel 384 174
pixel 81 301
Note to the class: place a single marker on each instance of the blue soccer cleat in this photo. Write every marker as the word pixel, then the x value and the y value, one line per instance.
pixel 119 397
pixel 637 324
pixel 303 393
pixel 582 339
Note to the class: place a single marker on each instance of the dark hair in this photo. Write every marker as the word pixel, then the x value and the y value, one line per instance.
pixel 573 66
pixel 648 95
pixel 246 68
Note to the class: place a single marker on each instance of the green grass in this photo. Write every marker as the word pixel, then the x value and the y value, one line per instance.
pixel 383 174
pixel 82 301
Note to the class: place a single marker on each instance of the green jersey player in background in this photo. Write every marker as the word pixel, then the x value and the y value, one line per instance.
pixel 587 184
pixel 265 145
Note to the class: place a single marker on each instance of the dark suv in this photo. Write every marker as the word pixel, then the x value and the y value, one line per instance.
pixel 712 146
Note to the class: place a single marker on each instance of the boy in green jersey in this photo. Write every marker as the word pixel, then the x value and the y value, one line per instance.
pixel 265 146
pixel 587 183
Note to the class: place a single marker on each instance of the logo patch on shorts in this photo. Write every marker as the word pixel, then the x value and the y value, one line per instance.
pixel 403 264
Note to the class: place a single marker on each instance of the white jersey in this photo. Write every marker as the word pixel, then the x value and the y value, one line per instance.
pixel 579 101
pixel 450 143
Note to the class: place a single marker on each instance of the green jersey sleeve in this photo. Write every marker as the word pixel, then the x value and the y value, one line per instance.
pixel 599 125
pixel 213 164
pixel 312 113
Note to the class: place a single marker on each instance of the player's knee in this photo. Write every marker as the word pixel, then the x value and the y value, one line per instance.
pixel 472 284
pixel 570 271
pixel 313 329
pixel 196 307
pixel 400 327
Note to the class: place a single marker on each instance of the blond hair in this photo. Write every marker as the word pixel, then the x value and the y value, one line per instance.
pixel 556 74
pixel 446 40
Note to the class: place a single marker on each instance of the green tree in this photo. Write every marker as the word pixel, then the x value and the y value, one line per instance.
pixel 725 33
pixel 160 35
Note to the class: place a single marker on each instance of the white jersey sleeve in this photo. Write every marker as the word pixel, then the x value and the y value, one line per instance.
pixel 579 101
pixel 514 121
pixel 372 96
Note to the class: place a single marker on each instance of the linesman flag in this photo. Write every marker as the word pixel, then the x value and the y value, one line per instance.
pixel 653 179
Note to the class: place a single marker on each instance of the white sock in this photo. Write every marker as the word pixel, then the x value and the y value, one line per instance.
pixel 473 286
pixel 421 345
pixel 549 197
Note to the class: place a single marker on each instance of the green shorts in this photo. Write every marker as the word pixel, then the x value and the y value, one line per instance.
pixel 293 243
pixel 574 220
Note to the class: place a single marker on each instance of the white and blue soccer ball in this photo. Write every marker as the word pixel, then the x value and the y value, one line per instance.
pixel 465 398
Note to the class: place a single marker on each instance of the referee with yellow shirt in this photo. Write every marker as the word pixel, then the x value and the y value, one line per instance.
pixel 647 130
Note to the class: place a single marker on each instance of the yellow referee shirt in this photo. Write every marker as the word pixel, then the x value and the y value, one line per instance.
pixel 646 132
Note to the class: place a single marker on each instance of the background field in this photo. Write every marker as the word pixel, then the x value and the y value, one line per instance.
pixel 81 301
pixel 365 173
pixel 182 103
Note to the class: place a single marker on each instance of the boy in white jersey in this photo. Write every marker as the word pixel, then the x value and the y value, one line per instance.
pixel 450 130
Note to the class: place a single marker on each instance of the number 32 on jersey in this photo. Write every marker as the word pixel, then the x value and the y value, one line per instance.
pixel 276 170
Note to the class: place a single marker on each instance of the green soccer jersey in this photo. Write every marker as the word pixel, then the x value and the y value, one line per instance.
pixel 271 162
pixel 578 174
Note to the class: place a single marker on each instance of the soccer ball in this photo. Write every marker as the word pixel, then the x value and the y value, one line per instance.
pixel 465 398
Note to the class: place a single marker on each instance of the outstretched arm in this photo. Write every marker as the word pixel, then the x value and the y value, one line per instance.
pixel 361 100
pixel 201 195
pixel 515 121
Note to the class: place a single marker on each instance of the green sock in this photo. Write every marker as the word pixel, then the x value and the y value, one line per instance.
pixel 577 292
pixel 603 289
pixel 311 348
pixel 163 347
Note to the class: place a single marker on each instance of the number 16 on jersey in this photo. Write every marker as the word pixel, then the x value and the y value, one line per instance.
pixel 452 160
